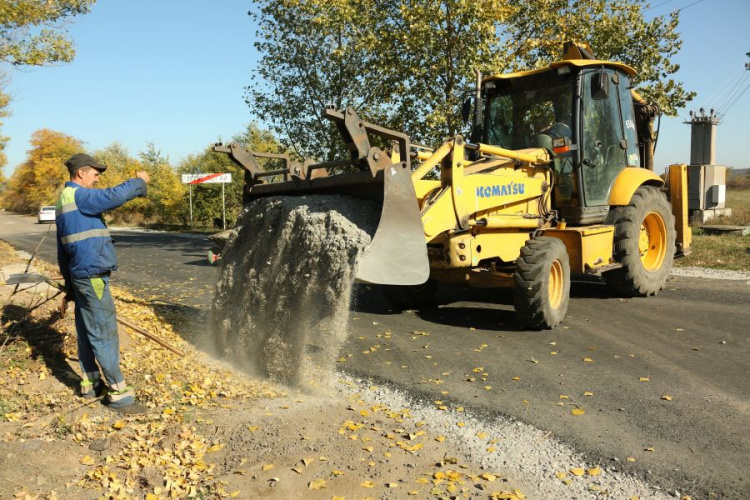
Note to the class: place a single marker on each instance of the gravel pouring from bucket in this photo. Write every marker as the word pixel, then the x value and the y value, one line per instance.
pixel 398 252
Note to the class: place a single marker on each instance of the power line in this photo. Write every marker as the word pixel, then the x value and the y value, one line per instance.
pixel 688 6
pixel 719 92
pixel 657 6
pixel 726 110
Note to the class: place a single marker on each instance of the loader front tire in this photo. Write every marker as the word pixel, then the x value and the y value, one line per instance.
pixel 411 297
pixel 644 243
pixel 542 283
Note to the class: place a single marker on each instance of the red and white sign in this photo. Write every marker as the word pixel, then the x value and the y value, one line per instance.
pixel 206 178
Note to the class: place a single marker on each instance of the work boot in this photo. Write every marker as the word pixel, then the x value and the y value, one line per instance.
pixel 93 391
pixel 133 408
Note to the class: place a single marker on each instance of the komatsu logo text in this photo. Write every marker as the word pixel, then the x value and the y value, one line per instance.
pixel 500 190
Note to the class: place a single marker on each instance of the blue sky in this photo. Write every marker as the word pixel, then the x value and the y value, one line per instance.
pixel 173 72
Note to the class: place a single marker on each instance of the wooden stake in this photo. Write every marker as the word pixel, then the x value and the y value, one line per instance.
pixel 150 336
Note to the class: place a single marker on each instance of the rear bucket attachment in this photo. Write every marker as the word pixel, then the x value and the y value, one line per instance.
pixel 397 254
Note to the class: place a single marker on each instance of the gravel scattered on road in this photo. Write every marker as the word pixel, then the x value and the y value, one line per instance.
pixel 532 459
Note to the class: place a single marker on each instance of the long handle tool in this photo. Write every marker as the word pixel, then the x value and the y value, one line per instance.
pixel 18 279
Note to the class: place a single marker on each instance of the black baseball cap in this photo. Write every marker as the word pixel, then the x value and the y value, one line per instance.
pixel 80 160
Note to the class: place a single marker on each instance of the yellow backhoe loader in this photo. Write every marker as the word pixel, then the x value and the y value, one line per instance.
pixel 555 178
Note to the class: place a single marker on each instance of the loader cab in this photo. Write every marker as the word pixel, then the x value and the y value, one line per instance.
pixel 582 112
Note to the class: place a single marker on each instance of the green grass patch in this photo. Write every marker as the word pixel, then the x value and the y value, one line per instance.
pixel 730 252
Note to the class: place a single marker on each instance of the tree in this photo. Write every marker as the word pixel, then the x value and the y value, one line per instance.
pixel 314 54
pixel 207 198
pixel 615 29
pixel 4 112
pixel 168 192
pixel 431 49
pixel 39 180
pixel 32 33
pixel 408 64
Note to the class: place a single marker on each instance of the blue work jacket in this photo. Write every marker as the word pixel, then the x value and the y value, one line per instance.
pixel 84 247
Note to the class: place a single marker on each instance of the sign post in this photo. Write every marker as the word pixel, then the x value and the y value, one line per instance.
pixel 223 208
pixel 222 179
pixel 191 204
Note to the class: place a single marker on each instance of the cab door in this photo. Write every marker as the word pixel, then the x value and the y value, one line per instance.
pixel 609 141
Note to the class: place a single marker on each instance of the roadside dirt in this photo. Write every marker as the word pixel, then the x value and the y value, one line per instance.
pixel 211 432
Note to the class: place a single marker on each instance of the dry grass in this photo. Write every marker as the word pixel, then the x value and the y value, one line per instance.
pixel 723 252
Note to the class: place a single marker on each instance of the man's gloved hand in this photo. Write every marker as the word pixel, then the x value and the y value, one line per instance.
pixel 64 304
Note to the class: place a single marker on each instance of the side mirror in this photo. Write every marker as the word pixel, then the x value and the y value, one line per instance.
pixel 466 110
pixel 599 85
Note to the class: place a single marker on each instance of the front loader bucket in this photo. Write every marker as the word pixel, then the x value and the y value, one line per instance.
pixel 398 252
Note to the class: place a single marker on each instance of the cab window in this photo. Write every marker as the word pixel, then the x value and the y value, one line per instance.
pixel 604 146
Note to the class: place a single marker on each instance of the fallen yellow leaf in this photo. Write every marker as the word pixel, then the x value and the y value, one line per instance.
pixel 317 484
pixel 87 460
pixel 367 484
pixel 588 393
pixel 216 447
pixel 588 360
pixel 577 411
pixel 440 439
pixel 577 471
pixel 119 424
pixel 594 471
pixel 666 398
pixel 267 467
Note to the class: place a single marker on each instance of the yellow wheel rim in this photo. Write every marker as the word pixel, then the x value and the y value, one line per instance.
pixel 555 284
pixel 652 243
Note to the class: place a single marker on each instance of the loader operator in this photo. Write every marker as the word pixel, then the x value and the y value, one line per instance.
pixel 86 258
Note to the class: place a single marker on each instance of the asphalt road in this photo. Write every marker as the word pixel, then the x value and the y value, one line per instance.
pixel 664 382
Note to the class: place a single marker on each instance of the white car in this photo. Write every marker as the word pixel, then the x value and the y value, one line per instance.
pixel 46 214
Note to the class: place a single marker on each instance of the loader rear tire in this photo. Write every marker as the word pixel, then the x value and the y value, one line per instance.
pixel 411 297
pixel 542 283
pixel 644 243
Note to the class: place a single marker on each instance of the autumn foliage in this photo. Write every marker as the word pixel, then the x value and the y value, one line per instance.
pixel 41 177
pixel 39 180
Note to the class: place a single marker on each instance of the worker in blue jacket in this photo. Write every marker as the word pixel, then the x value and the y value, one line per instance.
pixel 87 258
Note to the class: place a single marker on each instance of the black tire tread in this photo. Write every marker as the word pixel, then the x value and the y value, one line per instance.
pixel 531 276
pixel 632 279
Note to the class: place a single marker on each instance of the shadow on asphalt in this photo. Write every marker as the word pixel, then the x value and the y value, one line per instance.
pixel 202 262
pixel 482 308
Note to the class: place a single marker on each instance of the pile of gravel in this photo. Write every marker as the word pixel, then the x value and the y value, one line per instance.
pixel 281 306
pixel 529 458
